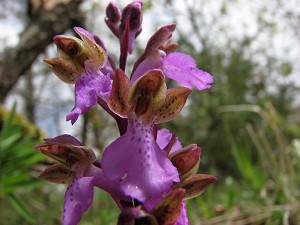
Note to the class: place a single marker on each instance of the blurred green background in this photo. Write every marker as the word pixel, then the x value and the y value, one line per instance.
pixel 247 124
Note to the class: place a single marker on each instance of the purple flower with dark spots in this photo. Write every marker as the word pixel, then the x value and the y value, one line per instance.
pixel 82 62
pixel 148 173
pixel 77 166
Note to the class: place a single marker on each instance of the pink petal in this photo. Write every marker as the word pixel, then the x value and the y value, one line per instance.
pixel 183 217
pixel 88 86
pixel 78 199
pixel 64 139
pixel 111 186
pixel 182 68
pixel 164 137
pixel 152 61
pixel 136 160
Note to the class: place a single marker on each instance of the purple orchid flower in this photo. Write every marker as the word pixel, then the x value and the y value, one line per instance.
pixel 175 65
pixel 77 165
pixel 146 171
pixel 147 174
pixel 82 62
pixel 164 137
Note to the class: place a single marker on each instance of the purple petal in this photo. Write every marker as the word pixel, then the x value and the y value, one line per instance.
pixel 182 68
pixel 82 31
pixel 111 186
pixel 64 139
pixel 78 199
pixel 136 160
pixel 88 86
pixel 152 61
pixel 183 217
pixel 160 38
pixel 164 136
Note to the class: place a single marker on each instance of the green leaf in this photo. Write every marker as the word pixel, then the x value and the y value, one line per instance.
pixel 21 208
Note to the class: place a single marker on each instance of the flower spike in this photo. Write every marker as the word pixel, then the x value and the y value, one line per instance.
pixel 146 171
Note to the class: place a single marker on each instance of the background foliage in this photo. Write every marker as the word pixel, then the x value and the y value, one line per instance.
pixel 247 123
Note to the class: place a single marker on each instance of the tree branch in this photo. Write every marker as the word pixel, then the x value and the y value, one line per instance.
pixel 37 35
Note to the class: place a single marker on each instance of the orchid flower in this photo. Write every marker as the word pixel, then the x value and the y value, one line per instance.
pixel 146 171
pixel 147 174
pixel 175 65
pixel 80 62
pixel 77 166
pixel 187 161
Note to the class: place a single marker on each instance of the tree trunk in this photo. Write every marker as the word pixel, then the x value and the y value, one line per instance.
pixel 37 35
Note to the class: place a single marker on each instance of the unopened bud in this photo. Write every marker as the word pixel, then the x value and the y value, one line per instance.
pixel 134 11
pixel 186 160
pixel 113 13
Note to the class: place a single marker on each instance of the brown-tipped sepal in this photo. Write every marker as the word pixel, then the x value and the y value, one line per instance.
pixel 66 150
pixel 186 161
pixel 72 48
pixel 57 173
pixel 65 69
pixel 169 48
pixel 97 57
pixel 168 210
pixel 118 100
pixel 147 94
pixel 196 185
pixel 174 102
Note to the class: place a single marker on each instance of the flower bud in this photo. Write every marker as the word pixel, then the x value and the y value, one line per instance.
pixel 186 160
pixel 131 25
pixel 132 11
pixel 113 13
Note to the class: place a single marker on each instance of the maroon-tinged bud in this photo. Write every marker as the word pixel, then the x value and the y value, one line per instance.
pixel 186 160
pixel 196 185
pixel 130 28
pixel 113 13
pixel 133 12
pixel 160 37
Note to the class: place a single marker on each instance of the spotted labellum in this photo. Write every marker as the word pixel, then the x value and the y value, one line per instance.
pixel 146 170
